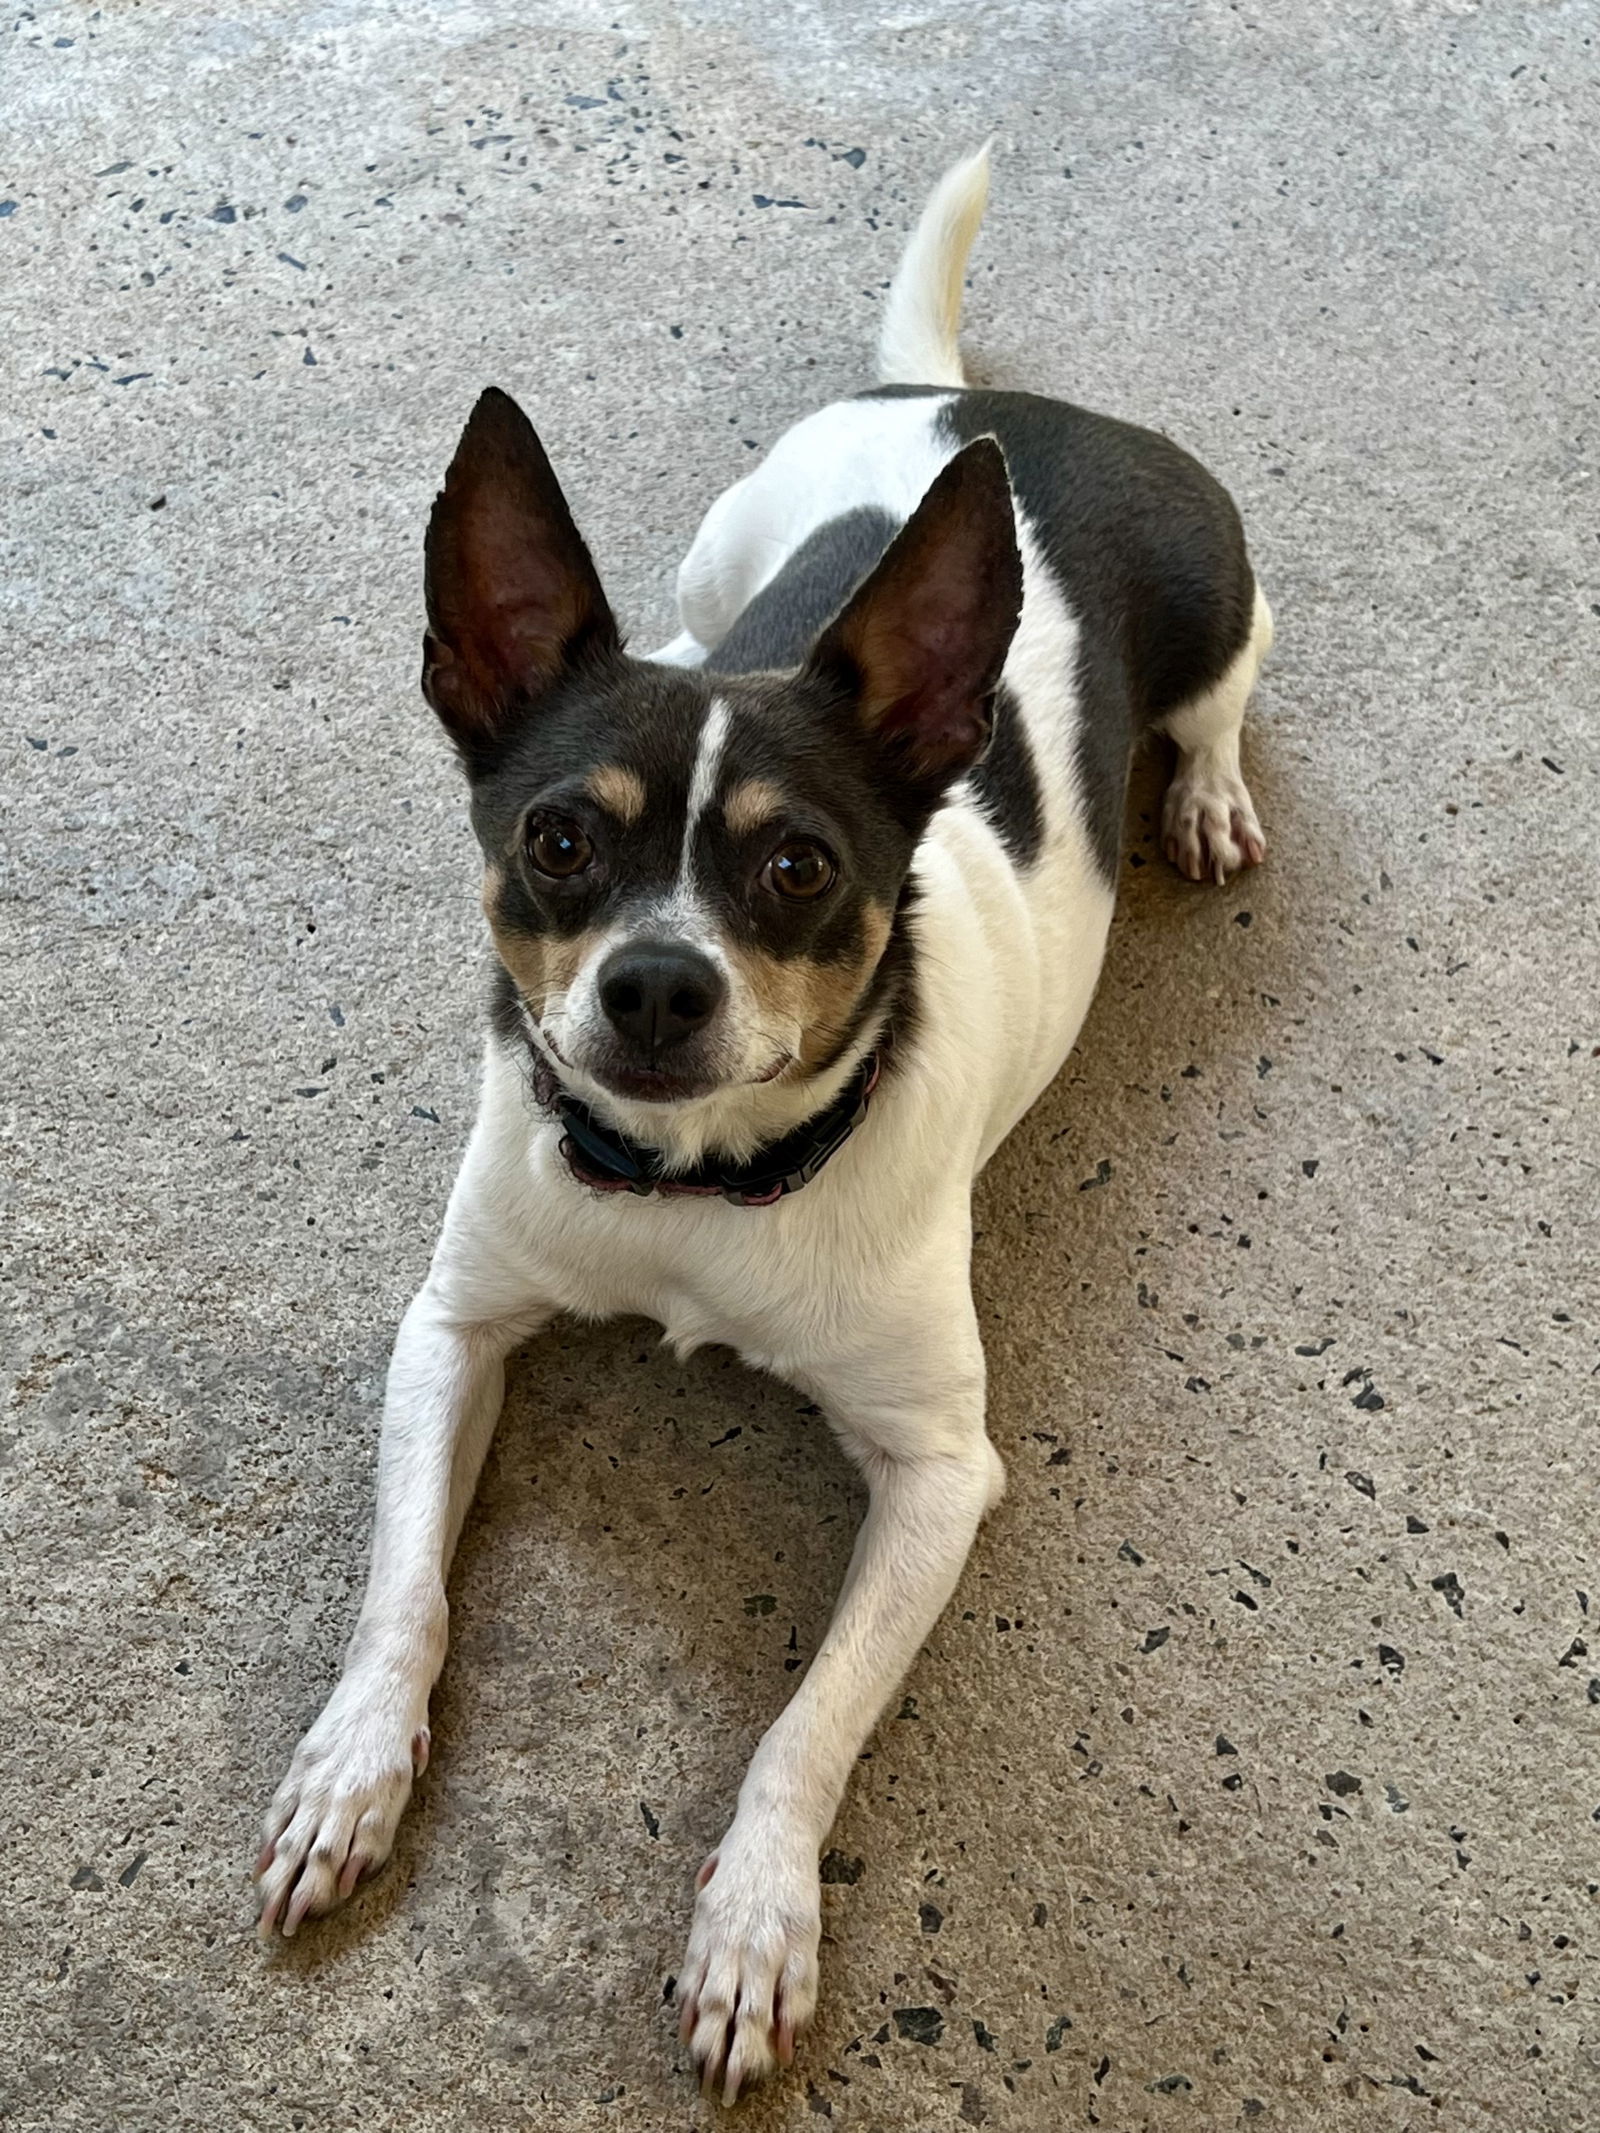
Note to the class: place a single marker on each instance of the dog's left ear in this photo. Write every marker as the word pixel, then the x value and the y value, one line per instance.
pixel 513 597
pixel 921 643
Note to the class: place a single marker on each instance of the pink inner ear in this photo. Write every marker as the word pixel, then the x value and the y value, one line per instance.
pixel 519 593
pixel 929 669
pixel 936 730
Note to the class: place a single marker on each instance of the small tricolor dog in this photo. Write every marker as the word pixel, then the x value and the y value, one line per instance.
pixel 793 923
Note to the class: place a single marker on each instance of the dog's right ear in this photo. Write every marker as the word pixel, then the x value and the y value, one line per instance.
pixel 921 642
pixel 513 598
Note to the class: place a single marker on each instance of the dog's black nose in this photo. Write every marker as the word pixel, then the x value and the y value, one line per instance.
pixel 658 993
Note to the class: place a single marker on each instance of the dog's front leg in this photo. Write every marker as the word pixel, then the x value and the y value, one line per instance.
pixel 333 1818
pixel 750 1976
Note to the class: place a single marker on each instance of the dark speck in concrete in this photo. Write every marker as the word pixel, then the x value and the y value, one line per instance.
pixel 919 2025
pixel 838 1867
pixel 1452 1590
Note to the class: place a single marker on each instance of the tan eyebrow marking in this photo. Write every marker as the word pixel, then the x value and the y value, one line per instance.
pixel 751 804
pixel 619 791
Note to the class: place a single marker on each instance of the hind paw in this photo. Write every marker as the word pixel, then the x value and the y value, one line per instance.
pixel 1209 828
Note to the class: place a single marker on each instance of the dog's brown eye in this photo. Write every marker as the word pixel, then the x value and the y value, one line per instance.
pixel 559 849
pixel 798 870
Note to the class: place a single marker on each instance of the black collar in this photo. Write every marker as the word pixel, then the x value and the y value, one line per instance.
pixel 601 1157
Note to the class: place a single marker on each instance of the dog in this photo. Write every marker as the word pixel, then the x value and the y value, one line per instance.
pixel 792 922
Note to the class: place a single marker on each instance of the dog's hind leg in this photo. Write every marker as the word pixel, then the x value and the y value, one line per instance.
pixel 1208 822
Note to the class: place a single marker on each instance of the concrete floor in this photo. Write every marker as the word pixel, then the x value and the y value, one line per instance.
pixel 1252 1778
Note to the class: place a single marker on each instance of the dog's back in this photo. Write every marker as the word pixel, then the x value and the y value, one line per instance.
pixel 1140 542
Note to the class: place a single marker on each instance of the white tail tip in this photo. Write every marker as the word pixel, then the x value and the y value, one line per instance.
pixel 920 340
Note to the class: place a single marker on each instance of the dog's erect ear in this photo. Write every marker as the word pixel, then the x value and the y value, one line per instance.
pixel 513 597
pixel 922 641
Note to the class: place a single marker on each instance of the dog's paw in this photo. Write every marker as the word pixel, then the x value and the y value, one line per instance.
pixel 1208 824
pixel 332 1820
pixel 749 1982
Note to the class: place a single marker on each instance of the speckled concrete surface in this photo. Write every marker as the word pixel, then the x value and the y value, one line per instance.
pixel 1253 1777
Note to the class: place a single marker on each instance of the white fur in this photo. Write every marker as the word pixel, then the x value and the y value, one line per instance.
pixel 918 343
pixel 1208 821
pixel 703 783
pixel 855 1290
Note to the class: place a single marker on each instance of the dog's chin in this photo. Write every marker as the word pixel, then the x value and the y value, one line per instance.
pixel 656 1085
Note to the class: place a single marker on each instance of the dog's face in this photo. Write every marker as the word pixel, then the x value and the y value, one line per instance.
pixel 693 880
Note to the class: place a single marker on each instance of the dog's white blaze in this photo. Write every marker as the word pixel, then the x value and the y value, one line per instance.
pixel 703 783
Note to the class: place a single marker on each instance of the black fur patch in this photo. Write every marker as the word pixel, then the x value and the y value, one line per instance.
pixel 1149 553
pixel 1007 785
pixel 506 1021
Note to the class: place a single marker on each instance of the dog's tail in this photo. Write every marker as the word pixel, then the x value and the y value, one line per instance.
pixel 919 343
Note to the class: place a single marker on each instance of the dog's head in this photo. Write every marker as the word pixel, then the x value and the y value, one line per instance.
pixel 693 879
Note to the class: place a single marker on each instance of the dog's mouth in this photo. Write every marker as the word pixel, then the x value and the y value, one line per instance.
pixel 653 1085
pixel 660 1085
pixel 658 1082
